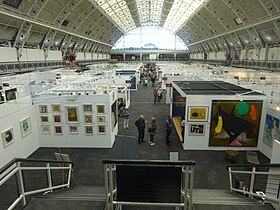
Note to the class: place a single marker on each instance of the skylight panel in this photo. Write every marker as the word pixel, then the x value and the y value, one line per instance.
pixel 149 10
pixel 180 11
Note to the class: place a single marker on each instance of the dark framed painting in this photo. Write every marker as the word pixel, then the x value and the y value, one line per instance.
pixel 235 123
pixel 196 129
pixel 72 114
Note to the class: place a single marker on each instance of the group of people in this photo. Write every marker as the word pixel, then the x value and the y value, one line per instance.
pixel 141 124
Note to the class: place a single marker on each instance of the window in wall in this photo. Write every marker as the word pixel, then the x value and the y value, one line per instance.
pixel 150 38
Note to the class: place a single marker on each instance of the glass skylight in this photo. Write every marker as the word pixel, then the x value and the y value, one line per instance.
pixel 180 12
pixel 119 12
pixel 149 10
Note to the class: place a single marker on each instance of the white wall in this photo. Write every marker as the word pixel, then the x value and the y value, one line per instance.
pixel 32 55
pixel 11 114
pixel 8 54
pixel 54 55
pixel 80 56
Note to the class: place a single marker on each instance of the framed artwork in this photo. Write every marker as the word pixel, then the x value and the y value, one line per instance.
pixel 196 129
pixel 46 129
pixel 72 114
pixel 100 109
pixel 235 123
pixel 101 119
pixel 11 94
pixel 57 119
pixel 8 137
pixel 73 129
pixel 88 119
pixel 25 126
pixel 87 108
pixel 43 109
pixel 197 113
pixel 58 130
pixel 271 130
pixel 56 108
pixel 88 130
pixel 101 129
pixel 44 119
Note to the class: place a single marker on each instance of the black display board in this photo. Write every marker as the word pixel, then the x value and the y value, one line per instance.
pixel 149 184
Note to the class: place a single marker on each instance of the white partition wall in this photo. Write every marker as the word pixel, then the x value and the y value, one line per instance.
pixel 32 55
pixel 18 127
pixel 54 55
pixel 8 54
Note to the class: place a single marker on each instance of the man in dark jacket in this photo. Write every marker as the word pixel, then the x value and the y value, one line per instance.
pixel 140 124
pixel 168 126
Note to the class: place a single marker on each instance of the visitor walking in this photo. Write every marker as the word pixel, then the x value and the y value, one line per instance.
pixel 125 118
pixel 155 93
pixel 152 127
pixel 168 127
pixel 140 124
pixel 159 94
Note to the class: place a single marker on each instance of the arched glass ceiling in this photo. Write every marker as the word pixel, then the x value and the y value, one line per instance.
pixel 127 17
pixel 150 38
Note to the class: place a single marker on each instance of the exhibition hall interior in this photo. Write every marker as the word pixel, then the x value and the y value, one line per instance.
pixel 143 104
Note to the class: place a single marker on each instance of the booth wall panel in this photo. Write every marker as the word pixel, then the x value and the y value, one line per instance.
pixel 8 54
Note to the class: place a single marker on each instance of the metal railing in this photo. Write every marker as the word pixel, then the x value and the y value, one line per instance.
pixel 185 199
pixel 256 181
pixel 57 174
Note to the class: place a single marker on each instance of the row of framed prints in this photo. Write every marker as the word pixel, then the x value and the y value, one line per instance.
pixel 56 108
pixel 72 129
pixel 56 119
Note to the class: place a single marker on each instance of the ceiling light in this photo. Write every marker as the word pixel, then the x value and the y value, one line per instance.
pixel 277 107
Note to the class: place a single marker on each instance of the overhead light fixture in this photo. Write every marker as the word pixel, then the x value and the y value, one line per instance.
pixel 277 107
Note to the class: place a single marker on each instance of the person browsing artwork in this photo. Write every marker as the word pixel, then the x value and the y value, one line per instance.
pixel 168 128
pixel 152 127
pixel 125 118
pixel 140 124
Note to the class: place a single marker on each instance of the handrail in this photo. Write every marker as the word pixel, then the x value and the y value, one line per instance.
pixel 149 162
pixel 9 164
pixel 274 165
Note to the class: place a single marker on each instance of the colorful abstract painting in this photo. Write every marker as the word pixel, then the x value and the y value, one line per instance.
pixel 271 131
pixel 197 113
pixel 235 123
pixel 25 126
pixel 72 114
pixel 8 137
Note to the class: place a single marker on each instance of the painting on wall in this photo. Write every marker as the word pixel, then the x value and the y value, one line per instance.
pixel 58 130
pixel 88 130
pixel 43 109
pixel 73 129
pixel 44 119
pixel 25 127
pixel 11 94
pixel 2 100
pixel 101 129
pixel 197 113
pixel 271 131
pixel 8 137
pixel 56 107
pixel 46 129
pixel 101 119
pixel 196 129
pixel 88 119
pixel 100 109
pixel 57 119
pixel 87 108
pixel 235 123
pixel 72 114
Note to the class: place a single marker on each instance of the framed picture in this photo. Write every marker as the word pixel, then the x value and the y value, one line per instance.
pixel 101 129
pixel 100 109
pixel 88 130
pixel 8 137
pixel 196 129
pixel 44 119
pixel 56 108
pixel 25 126
pixel 11 94
pixel 88 119
pixel 57 119
pixel 101 119
pixel 197 113
pixel 72 114
pixel 58 130
pixel 43 109
pixel 46 129
pixel 73 129
pixel 87 108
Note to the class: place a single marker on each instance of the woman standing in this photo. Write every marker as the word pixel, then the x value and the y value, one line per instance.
pixel 152 127
pixel 125 118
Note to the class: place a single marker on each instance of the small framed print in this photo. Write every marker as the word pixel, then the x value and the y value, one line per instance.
pixel 25 127
pixel 57 119
pixel 197 113
pixel 58 130
pixel 73 129
pixel 101 119
pixel 44 119
pixel 72 114
pixel 101 129
pixel 8 137
pixel 56 108
pixel 46 129
pixel 87 108
pixel 88 119
pixel 88 130
pixel 196 129
pixel 100 109
pixel 43 109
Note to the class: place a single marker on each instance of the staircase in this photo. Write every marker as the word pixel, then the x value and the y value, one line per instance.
pixel 215 199
pixel 74 198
